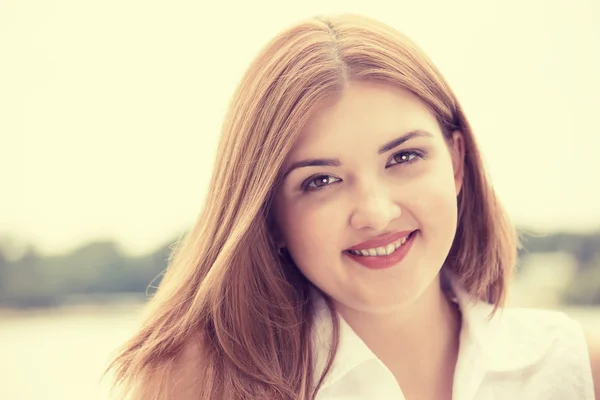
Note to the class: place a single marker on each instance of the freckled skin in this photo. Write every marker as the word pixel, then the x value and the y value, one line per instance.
pixel 370 194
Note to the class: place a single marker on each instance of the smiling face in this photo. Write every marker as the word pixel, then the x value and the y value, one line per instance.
pixel 385 168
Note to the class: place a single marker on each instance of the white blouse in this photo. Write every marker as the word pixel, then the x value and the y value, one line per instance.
pixel 518 354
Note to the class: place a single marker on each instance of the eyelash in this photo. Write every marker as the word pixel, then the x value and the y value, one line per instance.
pixel 417 155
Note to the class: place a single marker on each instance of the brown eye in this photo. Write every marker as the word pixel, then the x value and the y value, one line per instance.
pixel 318 182
pixel 405 157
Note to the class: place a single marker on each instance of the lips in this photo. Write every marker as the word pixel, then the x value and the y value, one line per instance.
pixel 381 241
pixel 384 262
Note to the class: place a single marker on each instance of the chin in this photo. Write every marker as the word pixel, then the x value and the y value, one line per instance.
pixel 381 302
pixel 403 292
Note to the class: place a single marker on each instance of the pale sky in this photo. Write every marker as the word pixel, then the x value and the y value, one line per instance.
pixel 110 111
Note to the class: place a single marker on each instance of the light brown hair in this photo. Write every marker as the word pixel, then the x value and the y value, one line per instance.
pixel 233 320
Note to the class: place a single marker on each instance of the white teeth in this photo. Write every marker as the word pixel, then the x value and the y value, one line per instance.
pixel 381 251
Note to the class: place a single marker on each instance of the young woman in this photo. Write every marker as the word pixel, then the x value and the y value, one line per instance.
pixel 351 246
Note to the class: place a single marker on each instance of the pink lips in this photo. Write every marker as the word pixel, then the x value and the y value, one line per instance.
pixel 381 262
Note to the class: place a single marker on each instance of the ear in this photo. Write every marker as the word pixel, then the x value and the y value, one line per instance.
pixel 457 152
pixel 278 237
pixel 274 230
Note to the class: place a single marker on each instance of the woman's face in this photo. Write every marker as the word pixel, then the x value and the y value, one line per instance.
pixel 368 187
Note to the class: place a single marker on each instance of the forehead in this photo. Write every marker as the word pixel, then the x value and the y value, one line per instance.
pixel 365 111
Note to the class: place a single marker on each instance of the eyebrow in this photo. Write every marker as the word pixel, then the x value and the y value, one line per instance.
pixel 335 162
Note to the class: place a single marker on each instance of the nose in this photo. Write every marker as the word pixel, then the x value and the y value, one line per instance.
pixel 374 209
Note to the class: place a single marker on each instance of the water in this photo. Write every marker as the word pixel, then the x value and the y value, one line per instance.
pixel 60 355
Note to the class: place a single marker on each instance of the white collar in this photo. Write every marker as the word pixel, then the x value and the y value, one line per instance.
pixel 502 343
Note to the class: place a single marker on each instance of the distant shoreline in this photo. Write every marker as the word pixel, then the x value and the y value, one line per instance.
pixel 113 306
pixel 589 317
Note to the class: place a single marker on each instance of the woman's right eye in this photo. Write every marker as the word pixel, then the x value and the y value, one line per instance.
pixel 318 182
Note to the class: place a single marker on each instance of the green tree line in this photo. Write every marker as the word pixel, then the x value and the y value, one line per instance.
pixel 101 268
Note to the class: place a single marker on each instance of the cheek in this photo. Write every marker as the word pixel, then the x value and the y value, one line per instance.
pixel 434 203
pixel 314 238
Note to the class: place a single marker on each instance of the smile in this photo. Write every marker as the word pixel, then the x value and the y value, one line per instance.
pixel 383 256
pixel 380 251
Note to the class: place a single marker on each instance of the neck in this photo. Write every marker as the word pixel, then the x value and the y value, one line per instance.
pixel 417 342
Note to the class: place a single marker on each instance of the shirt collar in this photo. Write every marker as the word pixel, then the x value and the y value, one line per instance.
pixel 487 343
pixel 351 351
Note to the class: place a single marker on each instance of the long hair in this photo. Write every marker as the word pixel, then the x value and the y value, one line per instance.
pixel 226 290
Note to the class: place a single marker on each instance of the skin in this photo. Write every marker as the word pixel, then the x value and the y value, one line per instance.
pixel 411 187
pixel 593 341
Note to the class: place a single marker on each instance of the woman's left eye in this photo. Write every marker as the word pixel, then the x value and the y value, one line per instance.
pixel 405 157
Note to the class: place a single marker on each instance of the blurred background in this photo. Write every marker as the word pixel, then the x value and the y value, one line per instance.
pixel 110 114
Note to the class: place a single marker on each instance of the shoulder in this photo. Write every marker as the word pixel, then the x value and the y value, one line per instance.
pixel 549 345
pixel 547 327
pixel 529 350
pixel 593 342
pixel 540 330
pixel 544 333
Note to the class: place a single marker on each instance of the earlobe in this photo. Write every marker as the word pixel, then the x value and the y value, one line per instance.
pixel 276 233
pixel 458 159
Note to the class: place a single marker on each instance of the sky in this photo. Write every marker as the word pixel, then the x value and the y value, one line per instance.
pixel 110 112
